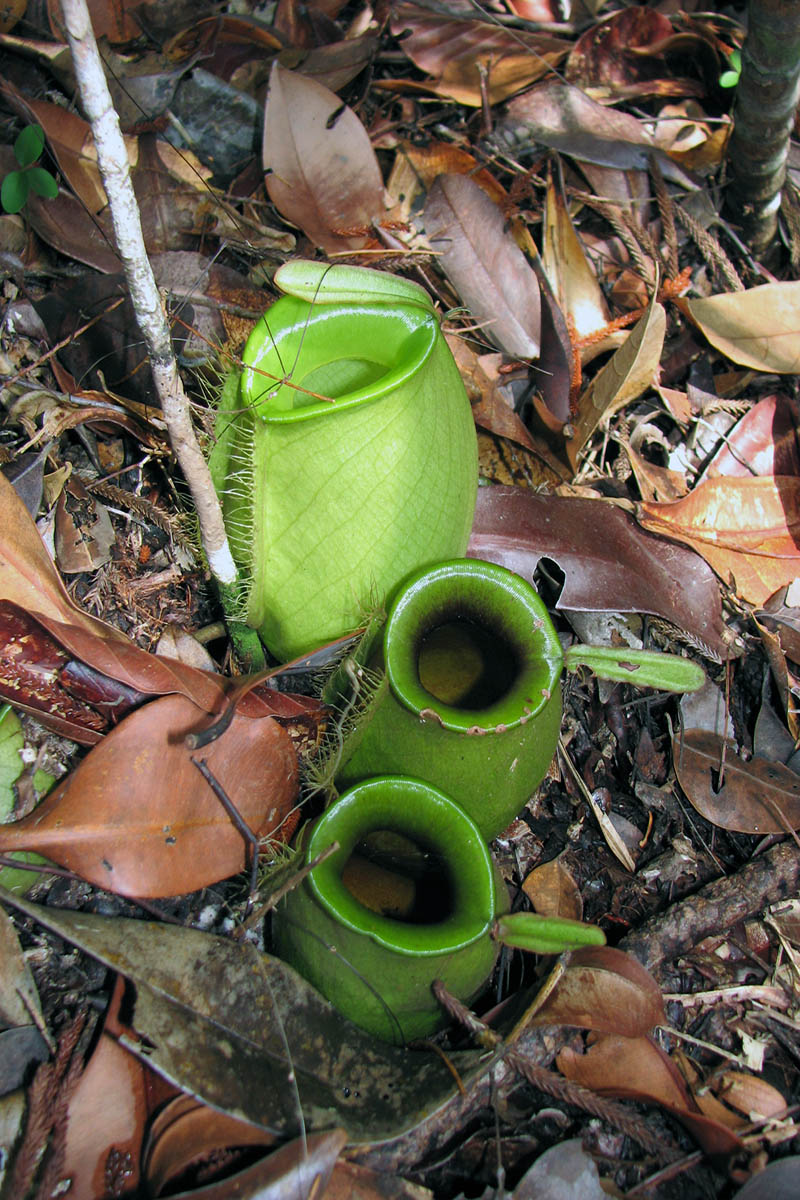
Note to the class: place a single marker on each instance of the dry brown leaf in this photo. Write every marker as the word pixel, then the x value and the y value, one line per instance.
pixel 484 264
pixel 136 816
pixel 571 277
pixel 322 171
pixel 456 51
pixel 606 990
pixel 107 1112
pixel 753 1097
pixel 553 892
pixel 748 530
pixel 637 1068
pixel 759 328
pixel 565 118
pixel 757 796
pixel 629 373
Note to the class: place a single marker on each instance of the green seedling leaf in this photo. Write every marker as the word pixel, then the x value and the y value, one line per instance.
pixel 643 668
pixel 545 935
pixel 42 183
pixel 29 145
pixel 11 767
pixel 14 191
pixel 730 78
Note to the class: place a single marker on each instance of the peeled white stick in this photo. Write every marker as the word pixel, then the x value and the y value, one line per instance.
pixel 112 159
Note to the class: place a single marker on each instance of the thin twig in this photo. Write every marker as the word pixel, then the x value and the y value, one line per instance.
pixel 112 160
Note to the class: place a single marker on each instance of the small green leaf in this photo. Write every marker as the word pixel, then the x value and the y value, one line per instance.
pixel 643 668
pixel 11 767
pixel 545 935
pixel 730 78
pixel 29 145
pixel 14 191
pixel 42 183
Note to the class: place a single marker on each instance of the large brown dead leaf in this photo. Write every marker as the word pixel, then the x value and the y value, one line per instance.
pixel 756 796
pixel 565 118
pixel 484 264
pixel 456 51
pixel 136 816
pixel 748 530
pixel 623 570
pixel 766 441
pixel 322 173
pixel 603 989
pixel 759 328
pixel 638 1069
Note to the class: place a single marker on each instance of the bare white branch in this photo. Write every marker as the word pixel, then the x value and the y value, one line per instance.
pixel 112 160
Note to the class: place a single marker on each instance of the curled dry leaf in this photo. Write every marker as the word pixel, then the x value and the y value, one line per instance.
pixel 638 1069
pixel 748 530
pixel 758 328
pixel 624 571
pixel 553 892
pixel 757 796
pixel 571 277
pixel 322 171
pixel 456 51
pixel 484 264
pixel 630 372
pixel 603 989
pixel 563 117
pixel 136 817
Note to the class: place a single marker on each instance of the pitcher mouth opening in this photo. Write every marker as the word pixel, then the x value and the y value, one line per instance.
pixel 304 360
pixel 470 646
pixel 412 871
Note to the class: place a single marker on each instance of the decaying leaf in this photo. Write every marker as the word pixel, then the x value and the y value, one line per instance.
pixel 759 327
pixel 454 52
pixel 137 818
pixel 553 892
pixel 239 1030
pixel 322 173
pixel 623 571
pixel 606 990
pixel 756 796
pixel 564 117
pixel 573 280
pixel 747 529
pixel 629 373
pixel 484 264
pixel 639 1069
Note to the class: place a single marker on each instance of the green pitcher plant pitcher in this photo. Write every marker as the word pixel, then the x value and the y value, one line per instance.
pixel 345 453
pixel 411 895
pixel 470 698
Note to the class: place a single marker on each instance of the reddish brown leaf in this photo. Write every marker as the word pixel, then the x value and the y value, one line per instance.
pixel 764 442
pixel 757 796
pixel 188 1133
pixel 622 571
pixel 626 54
pixel 136 817
pixel 84 534
pixel 553 892
pixel 105 1121
pixel 604 989
pixel 455 52
pixel 748 530
pixel 322 171
pixel 484 263
pixel 638 1069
